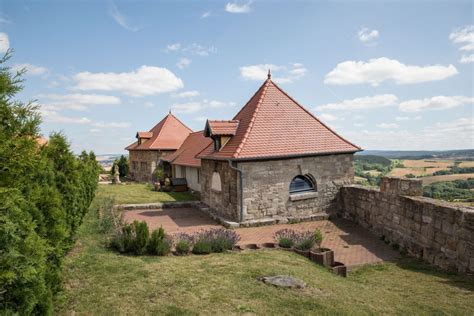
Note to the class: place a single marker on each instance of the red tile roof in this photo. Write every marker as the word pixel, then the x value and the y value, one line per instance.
pixel 144 134
pixel 186 154
pixel 168 134
pixel 272 125
pixel 214 127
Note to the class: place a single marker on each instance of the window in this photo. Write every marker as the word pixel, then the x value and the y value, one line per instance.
pixel 143 166
pixel 217 143
pixel 199 175
pixel 302 184
pixel 216 182
pixel 183 172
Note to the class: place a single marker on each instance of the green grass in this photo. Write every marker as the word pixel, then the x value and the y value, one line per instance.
pixel 99 281
pixel 140 193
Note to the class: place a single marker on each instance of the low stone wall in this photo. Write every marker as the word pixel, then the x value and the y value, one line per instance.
pixel 438 232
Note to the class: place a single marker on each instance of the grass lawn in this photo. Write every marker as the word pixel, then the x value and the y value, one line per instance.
pixel 140 193
pixel 99 281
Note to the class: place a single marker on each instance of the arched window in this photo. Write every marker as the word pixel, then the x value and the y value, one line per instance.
pixel 302 184
pixel 216 182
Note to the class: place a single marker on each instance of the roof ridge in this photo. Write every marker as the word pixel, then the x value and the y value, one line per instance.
pixel 180 121
pixel 314 116
pixel 162 128
pixel 252 120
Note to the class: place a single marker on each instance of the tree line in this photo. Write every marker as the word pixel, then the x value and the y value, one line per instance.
pixel 45 190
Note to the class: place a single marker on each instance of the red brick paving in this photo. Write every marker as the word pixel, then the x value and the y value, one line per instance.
pixel 352 244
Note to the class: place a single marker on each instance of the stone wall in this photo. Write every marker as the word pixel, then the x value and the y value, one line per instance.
pixel 267 183
pixel 140 172
pixel 226 201
pixel 438 232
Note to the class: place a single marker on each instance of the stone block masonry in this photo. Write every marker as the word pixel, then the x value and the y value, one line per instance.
pixel 440 233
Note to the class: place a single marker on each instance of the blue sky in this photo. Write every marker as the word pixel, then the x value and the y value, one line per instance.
pixel 384 74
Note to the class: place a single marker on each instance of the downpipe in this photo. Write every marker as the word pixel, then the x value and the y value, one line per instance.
pixel 241 187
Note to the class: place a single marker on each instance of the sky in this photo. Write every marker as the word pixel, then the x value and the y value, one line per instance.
pixel 388 75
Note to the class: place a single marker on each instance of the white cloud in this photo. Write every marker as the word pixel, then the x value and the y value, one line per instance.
pixel 173 47
pixel 111 124
pixel 76 101
pixel 358 124
pixel 374 102
pixel 186 94
pixel 407 118
pixel 55 117
pixel 467 59
pixel 95 130
pixel 189 107
pixel 378 70
pixel 198 49
pixel 206 15
pixel 280 74
pixel 146 80
pixel 367 36
pixel 148 104
pixel 193 49
pixel 183 63
pixel 234 7
pixel 326 117
pixel 4 42
pixel 435 103
pixel 31 70
pixel 464 36
pixel 196 106
pixel 120 18
pixel 387 125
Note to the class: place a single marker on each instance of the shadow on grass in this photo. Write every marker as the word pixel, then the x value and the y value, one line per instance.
pixel 460 280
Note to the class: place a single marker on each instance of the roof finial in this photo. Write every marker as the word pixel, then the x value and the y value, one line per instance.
pixel 170 111
pixel 269 76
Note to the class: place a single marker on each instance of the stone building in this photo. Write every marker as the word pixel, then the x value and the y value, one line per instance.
pixel 273 160
pixel 183 162
pixel 163 139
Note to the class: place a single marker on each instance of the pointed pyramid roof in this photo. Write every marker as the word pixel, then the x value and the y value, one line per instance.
pixel 272 125
pixel 168 134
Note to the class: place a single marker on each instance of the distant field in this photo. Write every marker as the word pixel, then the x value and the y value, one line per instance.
pixel 448 177
pixel 421 168
pixel 466 164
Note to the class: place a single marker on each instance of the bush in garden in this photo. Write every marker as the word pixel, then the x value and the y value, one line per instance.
pixel 183 244
pixel 318 237
pixel 285 242
pixel 109 219
pixel 159 244
pixel 306 240
pixel 285 238
pixel 45 191
pixel 141 237
pixel 202 247
pixel 219 239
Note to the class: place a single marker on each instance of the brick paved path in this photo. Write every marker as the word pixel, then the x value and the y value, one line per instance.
pixel 352 244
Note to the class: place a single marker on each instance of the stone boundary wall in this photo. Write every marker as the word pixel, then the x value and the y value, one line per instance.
pixel 438 232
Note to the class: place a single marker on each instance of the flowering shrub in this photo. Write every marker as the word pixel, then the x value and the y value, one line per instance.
pixel 287 238
pixel 217 239
pixel 183 243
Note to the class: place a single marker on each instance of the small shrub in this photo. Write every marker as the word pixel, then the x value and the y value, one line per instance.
pixel 107 215
pixel 285 242
pixel 202 247
pixel 184 243
pixel 182 247
pixel 159 243
pixel 285 238
pixel 219 239
pixel 318 237
pixel 142 235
